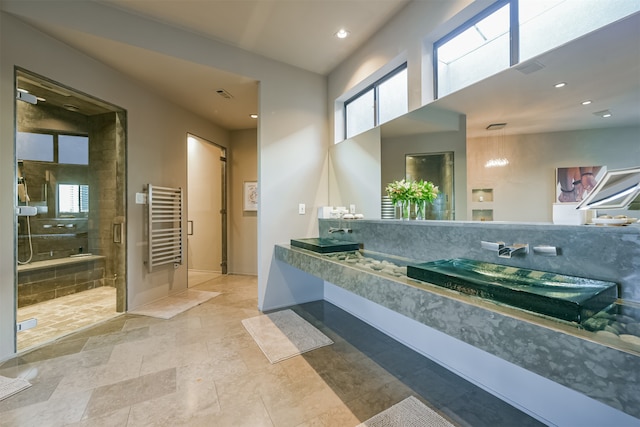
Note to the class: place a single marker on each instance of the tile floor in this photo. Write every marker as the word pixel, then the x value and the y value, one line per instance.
pixel 61 316
pixel 201 368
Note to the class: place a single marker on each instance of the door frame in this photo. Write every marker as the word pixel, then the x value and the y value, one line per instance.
pixel 223 194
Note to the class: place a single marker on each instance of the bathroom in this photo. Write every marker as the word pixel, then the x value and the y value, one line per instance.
pixel 70 172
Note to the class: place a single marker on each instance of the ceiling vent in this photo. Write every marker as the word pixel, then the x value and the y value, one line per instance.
pixel 223 93
pixel 529 67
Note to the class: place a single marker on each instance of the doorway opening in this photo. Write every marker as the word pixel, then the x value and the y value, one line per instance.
pixel 71 198
pixel 437 168
pixel 207 210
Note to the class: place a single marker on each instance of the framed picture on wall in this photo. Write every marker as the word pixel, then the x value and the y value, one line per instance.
pixel 573 184
pixel 250 196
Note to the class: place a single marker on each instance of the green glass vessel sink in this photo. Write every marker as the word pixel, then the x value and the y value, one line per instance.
pixel 324 245
pixel 569 298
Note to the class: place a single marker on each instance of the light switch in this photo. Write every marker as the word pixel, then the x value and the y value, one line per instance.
pixel 302 209
pixel 352 209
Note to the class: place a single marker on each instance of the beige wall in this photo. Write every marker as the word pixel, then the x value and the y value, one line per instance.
pixel 292 137
pixel 524 190
pixel 243 225
pixel 156 154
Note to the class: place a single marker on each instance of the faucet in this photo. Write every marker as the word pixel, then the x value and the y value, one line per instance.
pixel 516 248
pixel 339 230
pixel 505 251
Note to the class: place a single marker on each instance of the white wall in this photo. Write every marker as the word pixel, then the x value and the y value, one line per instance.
pixel 292 134
pixel 354 176
pixel 405 35
pixel 530 177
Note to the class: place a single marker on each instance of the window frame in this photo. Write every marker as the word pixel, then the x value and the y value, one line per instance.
pixel 514 35
pixel 376 97
pixel 56 135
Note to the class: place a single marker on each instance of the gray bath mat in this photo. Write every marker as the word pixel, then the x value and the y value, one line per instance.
pixel 284 334
pixel 408 413
pixel 11 386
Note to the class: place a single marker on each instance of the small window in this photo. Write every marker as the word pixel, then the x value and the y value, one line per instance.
pixel 393 97
pixel 380 102
pixel 550 23
pixel 34 146
pixel 73 198
pixel 73 149
pixel 360 114
pixel 478 49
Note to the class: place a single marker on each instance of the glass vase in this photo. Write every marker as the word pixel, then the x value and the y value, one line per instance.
pixel 421 207
pixel 404 207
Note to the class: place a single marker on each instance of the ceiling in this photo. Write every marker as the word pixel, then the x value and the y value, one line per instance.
pixel 603 66
pixel 296 32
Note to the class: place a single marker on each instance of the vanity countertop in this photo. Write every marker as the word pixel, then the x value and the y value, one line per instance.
pixel 585 361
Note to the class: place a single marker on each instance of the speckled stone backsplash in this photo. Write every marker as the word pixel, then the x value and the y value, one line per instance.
pixel 596 252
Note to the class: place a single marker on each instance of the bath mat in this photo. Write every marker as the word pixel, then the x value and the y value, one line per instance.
pixel 170 306
pixel 408 413
pixel 284 334
pixel 11 386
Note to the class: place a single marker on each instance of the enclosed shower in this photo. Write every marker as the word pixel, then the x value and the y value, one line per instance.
pixel 70 198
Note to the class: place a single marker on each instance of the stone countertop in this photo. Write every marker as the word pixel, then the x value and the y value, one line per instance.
pixel 606 371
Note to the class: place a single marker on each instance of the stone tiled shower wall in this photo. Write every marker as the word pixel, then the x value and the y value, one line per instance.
pixel 40 285
pixel 604 253
pixel 104 203
pixel 58 238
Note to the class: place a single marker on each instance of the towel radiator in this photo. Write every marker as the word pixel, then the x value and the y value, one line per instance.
pixel 165 226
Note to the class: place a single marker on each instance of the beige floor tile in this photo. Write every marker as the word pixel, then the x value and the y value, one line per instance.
pixel 117 418
pixel 122 394
pixel 61 316
pixel 202 368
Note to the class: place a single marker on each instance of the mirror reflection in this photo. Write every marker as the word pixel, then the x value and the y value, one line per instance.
pixel 438 169
pixel 593 119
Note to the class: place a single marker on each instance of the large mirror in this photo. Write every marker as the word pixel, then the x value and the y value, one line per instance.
pixel 546 127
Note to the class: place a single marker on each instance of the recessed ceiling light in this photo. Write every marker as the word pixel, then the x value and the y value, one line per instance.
pixel 559 85
pixel 603 113
pixel 342 33
pixel 586 102
pixel 253 116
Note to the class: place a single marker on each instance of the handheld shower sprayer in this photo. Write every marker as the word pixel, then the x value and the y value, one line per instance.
pixel 25 210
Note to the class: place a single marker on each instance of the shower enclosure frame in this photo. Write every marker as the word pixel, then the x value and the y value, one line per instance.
pixel 111 237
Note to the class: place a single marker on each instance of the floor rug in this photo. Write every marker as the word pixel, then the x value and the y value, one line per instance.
pixel 11 386
pixel 283 334
pixel 408 413
pixel 168 307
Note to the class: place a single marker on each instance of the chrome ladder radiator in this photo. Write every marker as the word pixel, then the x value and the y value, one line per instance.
pixel 164 206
